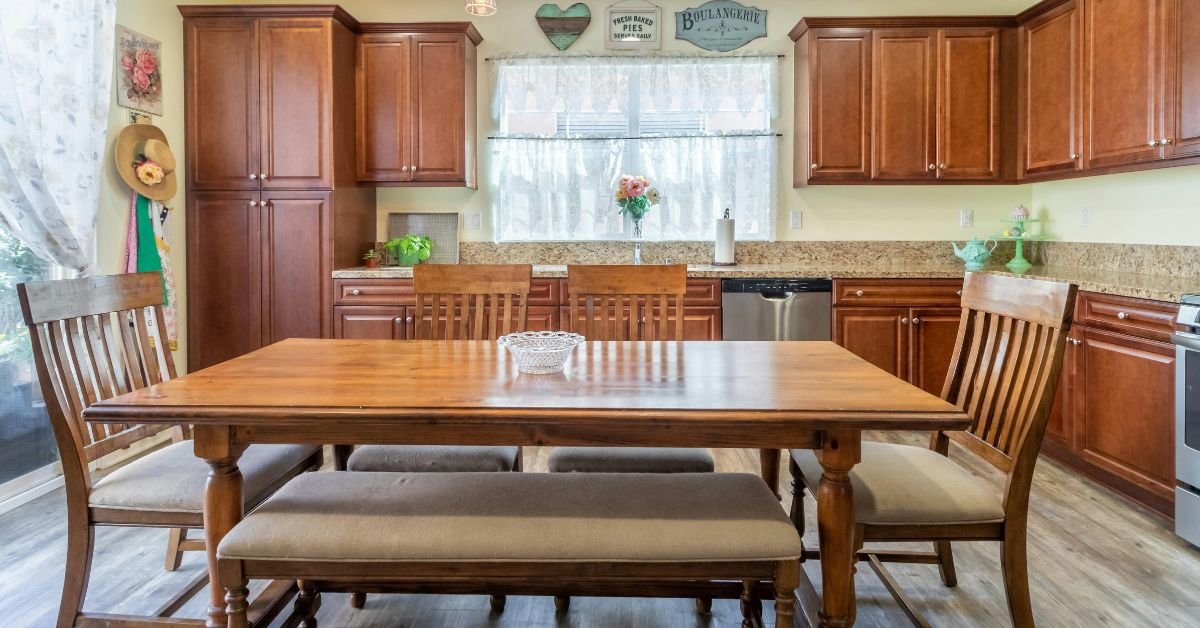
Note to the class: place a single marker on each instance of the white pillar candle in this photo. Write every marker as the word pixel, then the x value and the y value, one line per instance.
pixel 724 248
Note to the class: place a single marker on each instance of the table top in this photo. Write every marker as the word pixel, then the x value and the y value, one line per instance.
pixel 810 385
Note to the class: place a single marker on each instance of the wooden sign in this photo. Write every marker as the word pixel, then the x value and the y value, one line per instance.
pixel 721 25
pixel 563 27
pixel 633 28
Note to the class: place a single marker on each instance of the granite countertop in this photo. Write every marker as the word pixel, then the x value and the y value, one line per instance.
pixel 1153 287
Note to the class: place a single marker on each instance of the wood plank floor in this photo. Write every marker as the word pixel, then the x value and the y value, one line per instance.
pixel 1095 560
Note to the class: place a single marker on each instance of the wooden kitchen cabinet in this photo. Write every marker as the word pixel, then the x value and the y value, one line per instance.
pixel 274 204
pixel 833 85
pixel 1123 43
pixel 1051 106
pixel 1114 415
pixel 904 82
pixel 416 104
pixel 366 322
pixel 968 121
pixel 876 334
pixel 932 334
pixel 1183 78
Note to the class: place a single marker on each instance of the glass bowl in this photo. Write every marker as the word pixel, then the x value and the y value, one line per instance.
pixel 540 352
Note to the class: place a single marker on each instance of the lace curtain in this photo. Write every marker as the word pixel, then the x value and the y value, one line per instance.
pixel 55 90
pixel 713 146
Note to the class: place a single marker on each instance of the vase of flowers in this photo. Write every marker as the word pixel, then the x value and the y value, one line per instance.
pixel 635 197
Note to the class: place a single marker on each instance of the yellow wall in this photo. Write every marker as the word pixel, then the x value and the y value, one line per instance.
pixel 1154 207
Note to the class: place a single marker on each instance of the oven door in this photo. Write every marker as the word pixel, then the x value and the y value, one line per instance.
pixel 1187 409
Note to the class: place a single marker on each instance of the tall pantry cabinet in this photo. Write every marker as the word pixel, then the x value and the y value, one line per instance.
pixel 274 204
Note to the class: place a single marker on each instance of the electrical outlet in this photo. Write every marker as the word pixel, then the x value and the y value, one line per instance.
pixel 1085 217
pixel 474 221
pixel 966 218
pixel 794 220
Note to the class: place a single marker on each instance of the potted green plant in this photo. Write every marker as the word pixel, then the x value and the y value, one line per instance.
pixel 372 258
pixel 410 250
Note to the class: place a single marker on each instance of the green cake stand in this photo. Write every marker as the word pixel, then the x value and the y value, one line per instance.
pixel 1018 264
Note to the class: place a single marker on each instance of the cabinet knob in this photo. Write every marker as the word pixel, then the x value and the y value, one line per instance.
pixel 941 166
pixel 1166 141
pixel 1075 341
pixel 408 319
pixel 403 168
pixel 414 168
pixel 397 320
pixel 263 176
pixel 254 203
pixel 1122 315
pixel 916 321
pixel 356 292
pixel 1075 155
pixel 904 321
pixel 266 201
pixel 814 166
pixel 958 292
pixel 253 177
pixel 858 293
pixel 1154 142
pixel 933 166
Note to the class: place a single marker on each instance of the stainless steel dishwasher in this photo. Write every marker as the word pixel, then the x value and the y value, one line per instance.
pixel 776 309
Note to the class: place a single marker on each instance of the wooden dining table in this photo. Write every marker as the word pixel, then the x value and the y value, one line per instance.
pixel 765 395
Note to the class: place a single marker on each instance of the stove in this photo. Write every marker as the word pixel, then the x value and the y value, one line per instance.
pixel 1187 421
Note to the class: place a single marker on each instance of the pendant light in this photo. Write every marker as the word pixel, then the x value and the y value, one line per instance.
pixel 481 8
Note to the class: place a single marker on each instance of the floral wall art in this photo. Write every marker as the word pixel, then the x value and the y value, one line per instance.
pixel 139 72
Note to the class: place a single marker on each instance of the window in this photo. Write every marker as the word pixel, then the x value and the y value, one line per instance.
pixel 26 440
pixel 700 128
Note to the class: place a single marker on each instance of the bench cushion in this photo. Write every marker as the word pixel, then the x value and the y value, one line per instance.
pixel 901 484
pixel 172 478
pixel 524 517
pixel 432 458
pixel 630 460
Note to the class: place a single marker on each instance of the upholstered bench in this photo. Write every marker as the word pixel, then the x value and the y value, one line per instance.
pixel 529 532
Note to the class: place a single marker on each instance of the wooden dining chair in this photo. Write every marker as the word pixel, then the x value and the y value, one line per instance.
pixel 92 341
pixel 455 302
pixel 1004 374
pixel 633 303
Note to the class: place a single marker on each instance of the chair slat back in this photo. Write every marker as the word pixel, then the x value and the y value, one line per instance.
pixel 1006 365
pixel 91 342
pixel 471 301
pixel 618 302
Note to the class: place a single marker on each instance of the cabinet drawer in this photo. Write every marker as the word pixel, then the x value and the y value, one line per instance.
pixel 1137 317
pixel 892 292
pixel 700 293
pixel 373 292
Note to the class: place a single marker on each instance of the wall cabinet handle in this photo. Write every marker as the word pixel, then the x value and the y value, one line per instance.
pixel 1122 316
pixel 916 321
pixel 408 319
pixel 253 177
pixel 904 321
pixel 397 320
pixel 858 293
pixel 254 203
pixel 263 176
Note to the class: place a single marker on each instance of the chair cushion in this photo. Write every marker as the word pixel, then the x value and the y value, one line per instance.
pixel 172 479
pixel 899 484
pixel 630 460
pixel 534 517
pixel 413 459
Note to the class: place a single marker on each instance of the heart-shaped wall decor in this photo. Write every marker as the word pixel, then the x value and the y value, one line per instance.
pixel 563 27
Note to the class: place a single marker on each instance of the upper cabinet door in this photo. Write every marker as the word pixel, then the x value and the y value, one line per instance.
pixel 1183 78
pixel 839 77
pixel 1051 123
pixel 296 102
pixel 968 134
pixel 1123 86
pixel 439 121
pixel 384 107
pixel 903 87
pixel 221 84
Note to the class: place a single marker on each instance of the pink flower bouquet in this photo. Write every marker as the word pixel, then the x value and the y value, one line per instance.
pixel 635 196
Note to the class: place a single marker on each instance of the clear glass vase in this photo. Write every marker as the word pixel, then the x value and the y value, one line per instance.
pixel 637 241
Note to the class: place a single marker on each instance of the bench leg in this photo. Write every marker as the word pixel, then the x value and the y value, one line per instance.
pixel 497 603
pixel 308 602
pixel 358 600
pixel 787 578
pixel 562 603
pixel 234 583
pixel 751 605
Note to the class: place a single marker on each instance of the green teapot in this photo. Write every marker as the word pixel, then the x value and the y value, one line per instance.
pixel 975 253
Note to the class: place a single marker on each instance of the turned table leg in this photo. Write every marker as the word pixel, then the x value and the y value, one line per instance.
pixel 840 451
pixel 768 459
pixel 223 505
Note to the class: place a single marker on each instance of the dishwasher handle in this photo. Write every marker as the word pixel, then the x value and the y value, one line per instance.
pixel 776 295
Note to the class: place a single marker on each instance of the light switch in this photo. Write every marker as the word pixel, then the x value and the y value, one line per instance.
pixel 473 221
pixel 966 218
pixel 794 220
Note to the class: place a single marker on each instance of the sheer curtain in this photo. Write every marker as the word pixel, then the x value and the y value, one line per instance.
pixel 700 128
pixel 55 89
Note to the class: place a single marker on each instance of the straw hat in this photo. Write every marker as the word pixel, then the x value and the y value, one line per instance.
pixel 145 161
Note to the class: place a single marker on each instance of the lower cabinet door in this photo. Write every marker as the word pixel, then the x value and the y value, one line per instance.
pixel 932 333
pixel 878 335
pixel 699 323
pixel 1126 409
pixel 543 318
pixel 1058 426
pixel 369 322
